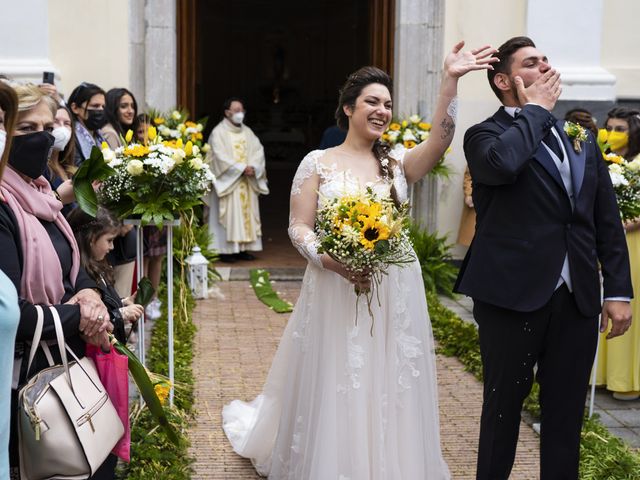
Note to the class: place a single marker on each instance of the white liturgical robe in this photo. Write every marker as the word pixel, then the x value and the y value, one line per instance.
pixel 234 215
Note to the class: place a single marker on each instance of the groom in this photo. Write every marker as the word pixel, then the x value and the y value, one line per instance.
pixel 546 219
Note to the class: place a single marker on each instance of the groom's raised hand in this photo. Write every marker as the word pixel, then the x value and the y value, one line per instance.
pixel 545 91
pixel 620 314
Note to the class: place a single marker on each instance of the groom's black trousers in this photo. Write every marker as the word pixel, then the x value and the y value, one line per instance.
pixel 562 342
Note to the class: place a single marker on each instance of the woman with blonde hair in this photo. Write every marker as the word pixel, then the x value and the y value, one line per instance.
pixel 39 251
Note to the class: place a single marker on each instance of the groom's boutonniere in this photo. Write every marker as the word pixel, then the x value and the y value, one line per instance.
pixel 577 134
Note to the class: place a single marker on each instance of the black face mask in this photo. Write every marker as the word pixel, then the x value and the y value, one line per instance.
pixel 29 153
pixel 96 119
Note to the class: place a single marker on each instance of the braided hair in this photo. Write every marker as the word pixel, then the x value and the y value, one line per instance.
pixel 348 95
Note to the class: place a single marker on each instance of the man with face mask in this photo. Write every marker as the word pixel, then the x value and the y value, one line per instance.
pixel 546 218
pixel 238 162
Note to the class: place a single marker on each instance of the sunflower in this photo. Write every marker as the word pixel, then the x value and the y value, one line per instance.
pixel 373 231
pixel 394 126
pixel 408 144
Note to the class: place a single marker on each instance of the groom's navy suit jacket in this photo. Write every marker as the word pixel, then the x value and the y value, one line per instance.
pixel 525 223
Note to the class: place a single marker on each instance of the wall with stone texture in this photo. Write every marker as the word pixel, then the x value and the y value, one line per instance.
pixel 89 41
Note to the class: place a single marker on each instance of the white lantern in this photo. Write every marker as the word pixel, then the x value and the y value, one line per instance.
pixel 198 273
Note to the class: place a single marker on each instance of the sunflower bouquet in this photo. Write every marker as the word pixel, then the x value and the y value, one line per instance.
pixel 405 134
pixel 366 233
pixel 176 125
pixel 156 180
pixel 625 177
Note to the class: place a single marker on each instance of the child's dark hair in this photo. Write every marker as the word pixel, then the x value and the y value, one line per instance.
pixel 87 229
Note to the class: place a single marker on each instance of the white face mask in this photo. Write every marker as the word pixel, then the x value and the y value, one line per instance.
pixel 237 118
pixel 62 136
pixel 3 141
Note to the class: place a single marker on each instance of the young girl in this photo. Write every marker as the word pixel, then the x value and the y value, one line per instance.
pixel 95 240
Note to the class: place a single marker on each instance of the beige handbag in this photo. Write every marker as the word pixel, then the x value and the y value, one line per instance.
pixel 67 424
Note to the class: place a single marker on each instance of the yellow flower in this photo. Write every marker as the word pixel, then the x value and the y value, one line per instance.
pixel 373 231
pixel 153 133
pixel 128 136
pixel 162 390
pixel 385 137
pixel 104 146
pixel 190 124
pixel 179 143
pixel 169 143
pixel 613 158
pixel 188 148
pixel 181 128
pixel 158 120
pixel 409 144
pixel 424 126
pixel 135 167
pixel 136 150
pixel 405 123
pixel 394 126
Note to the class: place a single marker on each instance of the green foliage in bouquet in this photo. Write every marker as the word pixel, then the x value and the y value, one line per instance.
pixel 92 169
pixel 434 254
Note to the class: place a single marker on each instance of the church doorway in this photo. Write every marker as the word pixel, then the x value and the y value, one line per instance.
pixel 286 59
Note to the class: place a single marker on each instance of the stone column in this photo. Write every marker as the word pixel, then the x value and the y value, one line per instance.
pixel 419 35
pixel 137 33
pixel 570 34
pixel 24 41
pixel 161 81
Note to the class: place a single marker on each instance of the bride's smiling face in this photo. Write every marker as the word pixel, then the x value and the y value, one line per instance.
pixel 371 114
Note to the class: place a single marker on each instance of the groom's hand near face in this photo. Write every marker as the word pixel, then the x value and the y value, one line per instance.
pixel 620 315
pixel 545 91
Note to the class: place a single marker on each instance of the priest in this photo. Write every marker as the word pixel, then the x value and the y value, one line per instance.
pixel 238 162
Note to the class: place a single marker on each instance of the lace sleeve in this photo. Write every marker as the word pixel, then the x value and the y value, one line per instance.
pixel 304 203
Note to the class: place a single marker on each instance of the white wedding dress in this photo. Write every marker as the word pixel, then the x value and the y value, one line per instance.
pixel 340 403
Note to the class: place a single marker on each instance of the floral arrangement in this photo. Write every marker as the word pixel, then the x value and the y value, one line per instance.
pixel 365 233
pixel 409 132
pixel 625 177
pixel 577 133
pixel 176 125
pixel 156 180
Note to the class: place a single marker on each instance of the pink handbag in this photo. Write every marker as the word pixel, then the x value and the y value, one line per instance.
pixel 113 370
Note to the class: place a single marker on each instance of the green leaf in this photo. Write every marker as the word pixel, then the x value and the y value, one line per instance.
pixel 264 291
pixel 145 292
pixel 145 386
pixel 93 168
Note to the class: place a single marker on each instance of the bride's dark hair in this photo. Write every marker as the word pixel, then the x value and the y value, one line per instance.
pixel 349 92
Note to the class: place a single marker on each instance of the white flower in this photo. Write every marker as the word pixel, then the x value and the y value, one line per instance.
pixel 135 167
pixel 108 155
pixel 196 163
pixel 393 134
pixel 616 169
pixel 634 165
pixel 164 130
pixel 206 148
pixel 195 150
pixel 176 115
pixel 200 127
pixel 350 234
pixel 178 155
pixel 384 162
pixel 408 135
pixel 415 118
pixel 618 180
pixel 424 135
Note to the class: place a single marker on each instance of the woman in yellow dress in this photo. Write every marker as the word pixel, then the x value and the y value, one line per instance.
pixel 619 358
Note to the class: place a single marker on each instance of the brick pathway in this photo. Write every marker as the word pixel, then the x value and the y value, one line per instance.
pixel 237 338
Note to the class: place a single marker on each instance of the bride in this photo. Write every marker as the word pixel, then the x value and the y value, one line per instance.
pixel 340 402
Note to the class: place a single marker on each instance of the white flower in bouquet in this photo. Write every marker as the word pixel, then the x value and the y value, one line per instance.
pixel 409 136
pixel 415 119
pixel 206 148
pixel 135 167
pixel 196 163
pixel 424 135
pixel 176 115
pixel 634 165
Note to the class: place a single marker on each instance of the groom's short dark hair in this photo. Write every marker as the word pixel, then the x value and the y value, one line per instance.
pixel 505 54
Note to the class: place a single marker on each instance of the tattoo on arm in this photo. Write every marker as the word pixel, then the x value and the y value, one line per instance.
pixel 448 126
